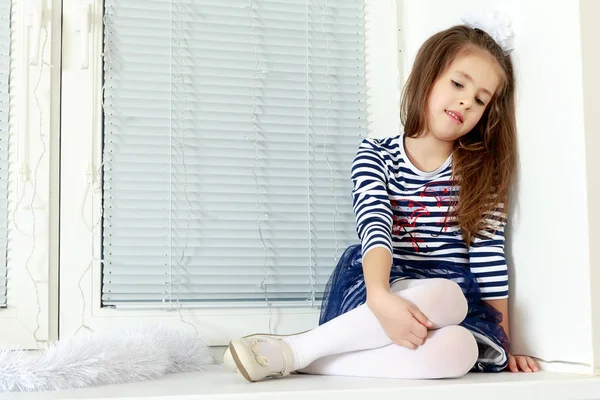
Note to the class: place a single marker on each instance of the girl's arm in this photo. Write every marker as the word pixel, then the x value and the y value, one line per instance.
pixel 376 268
pixel 402 322
pixel 488 264
pixel 515 363
pixel 502 307
pixel 370 200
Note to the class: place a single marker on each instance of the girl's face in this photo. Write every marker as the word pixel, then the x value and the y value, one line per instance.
pixel 461 94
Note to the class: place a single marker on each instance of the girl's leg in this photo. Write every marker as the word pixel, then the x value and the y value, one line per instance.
pixel 449 352
pixel 441 300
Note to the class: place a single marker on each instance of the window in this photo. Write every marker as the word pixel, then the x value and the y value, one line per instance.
pixel 207 122
pixel 228 134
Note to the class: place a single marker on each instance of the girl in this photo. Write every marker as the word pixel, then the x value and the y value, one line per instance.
pixel 413 300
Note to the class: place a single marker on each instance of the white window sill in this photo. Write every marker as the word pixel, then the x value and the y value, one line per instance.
pixel 219 383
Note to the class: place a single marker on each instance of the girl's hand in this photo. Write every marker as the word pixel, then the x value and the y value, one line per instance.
pixel 402 321
pixel 522 363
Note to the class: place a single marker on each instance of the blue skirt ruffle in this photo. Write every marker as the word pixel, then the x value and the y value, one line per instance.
pixel 346 290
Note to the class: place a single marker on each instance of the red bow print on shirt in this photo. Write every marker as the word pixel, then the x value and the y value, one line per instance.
pixel 410 211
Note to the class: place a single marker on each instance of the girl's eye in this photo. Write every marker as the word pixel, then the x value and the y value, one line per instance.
pixel 477 99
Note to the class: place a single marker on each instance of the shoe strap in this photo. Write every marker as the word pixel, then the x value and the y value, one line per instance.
pixel 281 345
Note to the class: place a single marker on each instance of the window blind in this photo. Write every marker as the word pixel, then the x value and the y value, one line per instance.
pixel 229 133
pixel 5 35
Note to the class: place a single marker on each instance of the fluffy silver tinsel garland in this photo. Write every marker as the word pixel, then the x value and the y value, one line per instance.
pixel 137 353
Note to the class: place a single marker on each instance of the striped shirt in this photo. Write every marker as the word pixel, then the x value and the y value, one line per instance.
pixel 408 211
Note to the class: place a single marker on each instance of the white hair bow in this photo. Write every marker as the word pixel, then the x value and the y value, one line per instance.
pixel 495 24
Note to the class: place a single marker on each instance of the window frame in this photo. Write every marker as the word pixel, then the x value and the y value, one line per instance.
pixel 30 318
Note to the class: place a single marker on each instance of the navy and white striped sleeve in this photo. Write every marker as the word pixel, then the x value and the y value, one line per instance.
pixel 370 198
pixel 488 262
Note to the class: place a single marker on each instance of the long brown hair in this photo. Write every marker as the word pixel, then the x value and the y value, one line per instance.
pixel 484 160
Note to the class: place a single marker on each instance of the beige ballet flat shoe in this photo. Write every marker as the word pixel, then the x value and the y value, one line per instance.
pixel 252 365
pixel 228 360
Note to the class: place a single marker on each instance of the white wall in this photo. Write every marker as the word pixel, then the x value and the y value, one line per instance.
pixel 383 75
pixel 548 240
pixel 590 31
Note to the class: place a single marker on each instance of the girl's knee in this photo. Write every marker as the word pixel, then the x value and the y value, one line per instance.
pixel 450 292
pixel 441 300
pixel 460 350
pixel 447 287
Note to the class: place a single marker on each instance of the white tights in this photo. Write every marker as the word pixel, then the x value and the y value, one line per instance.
pixel 355 344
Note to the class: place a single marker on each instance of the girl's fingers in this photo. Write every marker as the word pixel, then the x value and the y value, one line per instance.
pixel 407 344
pixel 512 364
pixel 419 330
pixel 419 316
pixel 522 361
pixel 414 339
pixel 532 364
